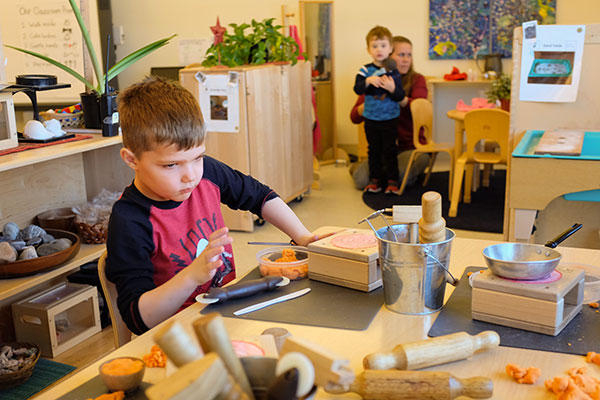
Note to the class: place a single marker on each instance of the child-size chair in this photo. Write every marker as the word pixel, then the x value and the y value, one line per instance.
pixel 490 125
pixel 422 117
pixel 121 333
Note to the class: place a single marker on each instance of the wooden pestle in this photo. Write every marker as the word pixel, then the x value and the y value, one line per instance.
pixel 177 344
pixel 213 337
pixel 205 377
pixel 403 385
pixel 433 351
pixel 432 225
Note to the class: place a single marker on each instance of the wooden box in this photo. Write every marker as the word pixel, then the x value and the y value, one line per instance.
pixel 259 122
pixel 57 318
pixel 356 268
pixel 8 125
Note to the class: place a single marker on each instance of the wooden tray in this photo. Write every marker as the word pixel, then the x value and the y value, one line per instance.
pixel 33 266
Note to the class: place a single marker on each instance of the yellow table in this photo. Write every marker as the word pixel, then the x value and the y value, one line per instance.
pixel 386 331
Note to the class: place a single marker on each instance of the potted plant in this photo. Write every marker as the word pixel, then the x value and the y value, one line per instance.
pixel 500 91
pixel 264 44
pixel 95 91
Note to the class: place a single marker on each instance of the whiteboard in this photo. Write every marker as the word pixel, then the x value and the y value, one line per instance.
pixel 48 27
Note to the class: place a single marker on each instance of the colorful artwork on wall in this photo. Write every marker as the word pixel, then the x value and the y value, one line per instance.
pixel 462 29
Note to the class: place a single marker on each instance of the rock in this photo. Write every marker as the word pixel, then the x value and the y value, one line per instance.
pixel 10 231
pixel 18 245
pixel 34 241
pixel 63 243
pixel 32 231
pixel 46 249
pixel 47 238
pixel 28 253
pixel 7 253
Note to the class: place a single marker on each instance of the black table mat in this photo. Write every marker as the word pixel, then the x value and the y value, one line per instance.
pixel 96 387
pixel 578 337
pixel 325 305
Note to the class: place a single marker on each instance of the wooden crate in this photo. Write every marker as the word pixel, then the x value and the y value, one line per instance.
pixel 38 318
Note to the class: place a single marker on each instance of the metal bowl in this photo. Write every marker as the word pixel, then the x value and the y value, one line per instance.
pixel 521 261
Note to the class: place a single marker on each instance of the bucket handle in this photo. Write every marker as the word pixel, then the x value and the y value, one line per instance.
pixel 425 251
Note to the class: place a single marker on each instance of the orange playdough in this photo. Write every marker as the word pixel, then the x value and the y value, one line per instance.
pixel 593 358
pixel 120 395
pixel 291 272
pixel 156 358
pixel 122 366
pixel 522 375
pixel 594 305
pixel 577 386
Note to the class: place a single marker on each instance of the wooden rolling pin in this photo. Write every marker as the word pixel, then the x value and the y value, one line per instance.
pixel 433 351
pixel 433 385
pixel 432 227
pixel 204 378
pixel 213 337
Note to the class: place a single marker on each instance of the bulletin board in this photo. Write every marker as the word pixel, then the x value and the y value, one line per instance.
pixel 48 27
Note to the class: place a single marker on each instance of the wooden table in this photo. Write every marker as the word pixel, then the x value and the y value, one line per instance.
pixel 386 330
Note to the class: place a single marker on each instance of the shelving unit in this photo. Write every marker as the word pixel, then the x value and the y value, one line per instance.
pixel 61 175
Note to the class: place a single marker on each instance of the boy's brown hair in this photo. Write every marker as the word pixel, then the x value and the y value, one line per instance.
pixel 157 111
pixel 379 32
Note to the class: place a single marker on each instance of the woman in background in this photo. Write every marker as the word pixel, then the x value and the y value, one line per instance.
pixel 415 87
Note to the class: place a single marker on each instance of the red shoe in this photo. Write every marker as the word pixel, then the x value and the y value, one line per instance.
pixel 392 187
pixel 373 186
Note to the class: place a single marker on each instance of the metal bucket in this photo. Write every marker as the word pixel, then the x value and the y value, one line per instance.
pixel 414 282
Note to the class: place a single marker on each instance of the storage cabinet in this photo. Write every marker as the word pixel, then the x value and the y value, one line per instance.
pixel 259 122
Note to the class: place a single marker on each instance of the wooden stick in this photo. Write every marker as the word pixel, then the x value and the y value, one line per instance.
pixel 433 351
pixel 205 377
pixel 177 344
pixel 404 385
pixel 409 215
pixel 432 225
pixel 213 337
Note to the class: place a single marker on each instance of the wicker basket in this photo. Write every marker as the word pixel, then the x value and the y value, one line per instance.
pixel 92 234
pixel 66 120
pixel 21 376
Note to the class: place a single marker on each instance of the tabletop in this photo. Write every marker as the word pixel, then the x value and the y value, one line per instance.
pixel 387 330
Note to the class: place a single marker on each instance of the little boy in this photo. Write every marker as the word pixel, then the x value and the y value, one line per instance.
pixel 381 112
pixel 167 241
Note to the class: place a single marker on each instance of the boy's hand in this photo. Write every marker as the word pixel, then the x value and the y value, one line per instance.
pixel 203 268
pixel 388 83
pixel 304 241
pixel 373 80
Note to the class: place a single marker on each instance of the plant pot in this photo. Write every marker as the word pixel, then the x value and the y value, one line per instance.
pixel 90 103
pixel 505 104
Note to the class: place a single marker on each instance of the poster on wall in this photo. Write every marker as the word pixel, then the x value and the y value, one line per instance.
pixel 462 29
pixel 551 62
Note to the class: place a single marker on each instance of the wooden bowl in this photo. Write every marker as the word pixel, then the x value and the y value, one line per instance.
pixel 22 375
pixel 124 382
pixel 58 218
pixel 35 265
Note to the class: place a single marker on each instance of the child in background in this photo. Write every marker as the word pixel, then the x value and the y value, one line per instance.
pixel 167 241
pixel 380 112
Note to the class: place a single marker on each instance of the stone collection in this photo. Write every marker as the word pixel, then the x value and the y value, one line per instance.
pixel 30 242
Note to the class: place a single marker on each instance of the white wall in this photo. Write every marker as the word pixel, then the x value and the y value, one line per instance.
pixel 352 20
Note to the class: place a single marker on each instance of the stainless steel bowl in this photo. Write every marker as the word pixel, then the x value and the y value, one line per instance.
pixel 521 261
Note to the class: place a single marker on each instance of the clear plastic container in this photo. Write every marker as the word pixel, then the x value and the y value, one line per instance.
pixel 269 266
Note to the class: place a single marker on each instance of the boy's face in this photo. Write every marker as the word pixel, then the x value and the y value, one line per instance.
pixel 379 50
pixel 166 173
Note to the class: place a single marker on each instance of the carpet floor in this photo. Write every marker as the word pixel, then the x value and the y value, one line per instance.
pixel 485 213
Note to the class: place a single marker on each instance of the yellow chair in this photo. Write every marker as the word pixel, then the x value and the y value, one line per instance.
pixel 489 125
pixel 121 333
pixel 422 116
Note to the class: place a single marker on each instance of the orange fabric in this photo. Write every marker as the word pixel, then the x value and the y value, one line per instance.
pixel 455 75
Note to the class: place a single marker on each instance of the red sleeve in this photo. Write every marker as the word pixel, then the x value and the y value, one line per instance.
pixel 418 90
pixel 355 117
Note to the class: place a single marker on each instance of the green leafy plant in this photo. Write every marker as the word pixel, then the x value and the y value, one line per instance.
pixel 265 43
pixel 100 77
pixel 500 89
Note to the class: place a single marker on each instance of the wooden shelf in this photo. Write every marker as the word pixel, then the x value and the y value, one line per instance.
pixel 14 286
pixel 34 156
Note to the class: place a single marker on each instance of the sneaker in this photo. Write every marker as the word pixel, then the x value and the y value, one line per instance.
pixel 392 187
pixel 373 186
